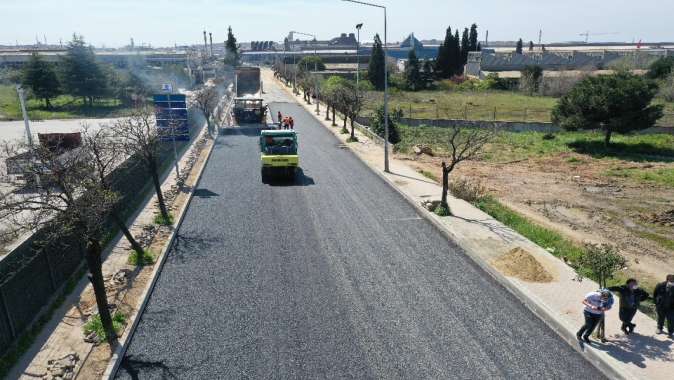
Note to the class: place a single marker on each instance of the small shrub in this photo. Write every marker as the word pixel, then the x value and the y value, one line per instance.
pixel 667 89
pixel 549 136
pixel 466 190
pixel 442 211
pixel 352 139
pixel 146 258
pixel 159 219
pixel 95 325
pixel 344 131
pixel 446 85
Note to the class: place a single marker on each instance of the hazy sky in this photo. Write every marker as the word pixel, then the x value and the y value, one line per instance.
pixel 165 22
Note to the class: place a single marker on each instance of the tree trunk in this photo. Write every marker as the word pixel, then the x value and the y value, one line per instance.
pixel 94 264
pixel 344 126
pixel 327 111
pixel 157 188
pixel 353 135
pixel 125 230
pixel 445 185
pixel 334 124
pixel 607 137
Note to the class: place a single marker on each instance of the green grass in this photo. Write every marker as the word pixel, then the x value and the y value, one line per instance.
pixel 147 258
pixel 352 139
pixel 661 240
pixel 662 176
pixel 63 107
pixel 478 105
pixel 159 219
pixel 509 146
pixel 428 175
pixel 95 325
pixel 459 104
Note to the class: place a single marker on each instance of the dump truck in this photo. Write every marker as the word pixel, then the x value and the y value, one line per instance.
pixel 64 146
pixel 248 103
pixel 279 154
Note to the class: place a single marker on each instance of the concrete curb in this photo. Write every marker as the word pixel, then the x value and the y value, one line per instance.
pixel 529 301
pixel 120 351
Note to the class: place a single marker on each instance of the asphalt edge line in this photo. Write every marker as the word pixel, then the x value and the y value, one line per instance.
pixel 548 317
pixel 120 351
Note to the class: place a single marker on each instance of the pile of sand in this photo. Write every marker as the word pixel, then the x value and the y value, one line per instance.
pixel 521 264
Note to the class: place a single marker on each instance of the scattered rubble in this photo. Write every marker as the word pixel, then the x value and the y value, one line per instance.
pixel 430 205
pixel 63 368
pixel 664 219
pixel 423 149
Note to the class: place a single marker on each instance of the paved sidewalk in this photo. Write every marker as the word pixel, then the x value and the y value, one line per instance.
pixel 640 356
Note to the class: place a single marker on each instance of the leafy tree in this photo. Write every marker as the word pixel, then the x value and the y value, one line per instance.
pixel 413 76
pixel 473 42
pixel 378 127
pixel 40 77
pixel 232 55
pixel 206 100
pixel 661 68
pixel 619 103
pixel 311 62
pixel 330 90
pixel 427 72
pixel 531 77
pixel 375 71
pixel 81 74
pixel 465 46
pixel 520 47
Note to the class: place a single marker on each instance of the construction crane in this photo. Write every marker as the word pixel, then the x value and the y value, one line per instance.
pixel 587 35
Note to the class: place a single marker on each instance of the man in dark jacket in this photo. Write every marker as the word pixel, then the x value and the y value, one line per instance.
pixel 630 297
pixel 664 304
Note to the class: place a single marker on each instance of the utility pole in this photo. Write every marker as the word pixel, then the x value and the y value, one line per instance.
pixel 358 26
pixel 205 44
pixel 210 36
pixel 26 124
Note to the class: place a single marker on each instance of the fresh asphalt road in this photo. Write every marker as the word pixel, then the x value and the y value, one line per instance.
pixel 332 276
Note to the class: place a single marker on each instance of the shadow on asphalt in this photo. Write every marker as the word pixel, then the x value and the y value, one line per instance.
pixel 134 367
pixel 205 193
pixel 300 179
pixel 243 130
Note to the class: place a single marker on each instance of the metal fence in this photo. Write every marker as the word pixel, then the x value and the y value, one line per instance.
pixel 36 271
pixel 482 113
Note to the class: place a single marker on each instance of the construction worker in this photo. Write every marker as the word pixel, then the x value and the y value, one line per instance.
pixel 279 117
pixel 664 304
pixel 596 303
pixel 291 122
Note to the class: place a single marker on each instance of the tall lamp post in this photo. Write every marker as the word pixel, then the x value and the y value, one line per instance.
pixel 386 166
pixel 358 26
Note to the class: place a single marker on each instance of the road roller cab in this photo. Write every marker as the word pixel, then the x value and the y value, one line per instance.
pixel 278 149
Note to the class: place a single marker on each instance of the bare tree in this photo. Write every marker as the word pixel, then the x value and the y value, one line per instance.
pixel 105 154
pixel 463 144
pixel 138 136
pixel 69 202
pixel 207 101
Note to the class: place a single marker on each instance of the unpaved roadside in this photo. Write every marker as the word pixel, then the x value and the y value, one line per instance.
pixel 571 194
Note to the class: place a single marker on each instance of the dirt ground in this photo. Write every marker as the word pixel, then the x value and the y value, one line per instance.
pixel 578 200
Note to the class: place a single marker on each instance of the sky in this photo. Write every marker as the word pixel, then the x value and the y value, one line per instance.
pixel 112 23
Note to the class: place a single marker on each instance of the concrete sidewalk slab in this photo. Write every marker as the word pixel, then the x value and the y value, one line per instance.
pixel 643 355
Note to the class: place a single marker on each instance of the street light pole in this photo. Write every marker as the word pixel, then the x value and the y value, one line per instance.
pixel 358 26
pixel 386 165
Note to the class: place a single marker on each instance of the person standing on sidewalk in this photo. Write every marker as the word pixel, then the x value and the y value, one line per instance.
pixel 664 304
pixel 630 297
pixel 279 117
pixel 596 303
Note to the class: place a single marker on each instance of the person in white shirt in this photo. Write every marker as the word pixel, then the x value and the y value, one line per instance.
pixel 596 303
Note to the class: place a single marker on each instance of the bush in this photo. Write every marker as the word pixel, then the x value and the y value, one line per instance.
pixel 667 89
pixel 466 190
pixel 446 85
pixel 560 85
pixel 661 68
pixel 530 80
pixel 352 139
pixel 442 211
pixel 146 258
pixel 378 126
pixel 159 219
pixel 95 325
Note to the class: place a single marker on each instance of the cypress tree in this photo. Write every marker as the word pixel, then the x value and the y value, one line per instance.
pixel 81 74
pixel 413 72
pixel 465 46
pixel 231 49
pixel 519 47
pixel 375 72
pixel 457 61
pixel 443 63
pixel 531 45
pixel 473 42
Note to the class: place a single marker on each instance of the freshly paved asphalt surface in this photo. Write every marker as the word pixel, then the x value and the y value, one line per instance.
pixel 332 276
